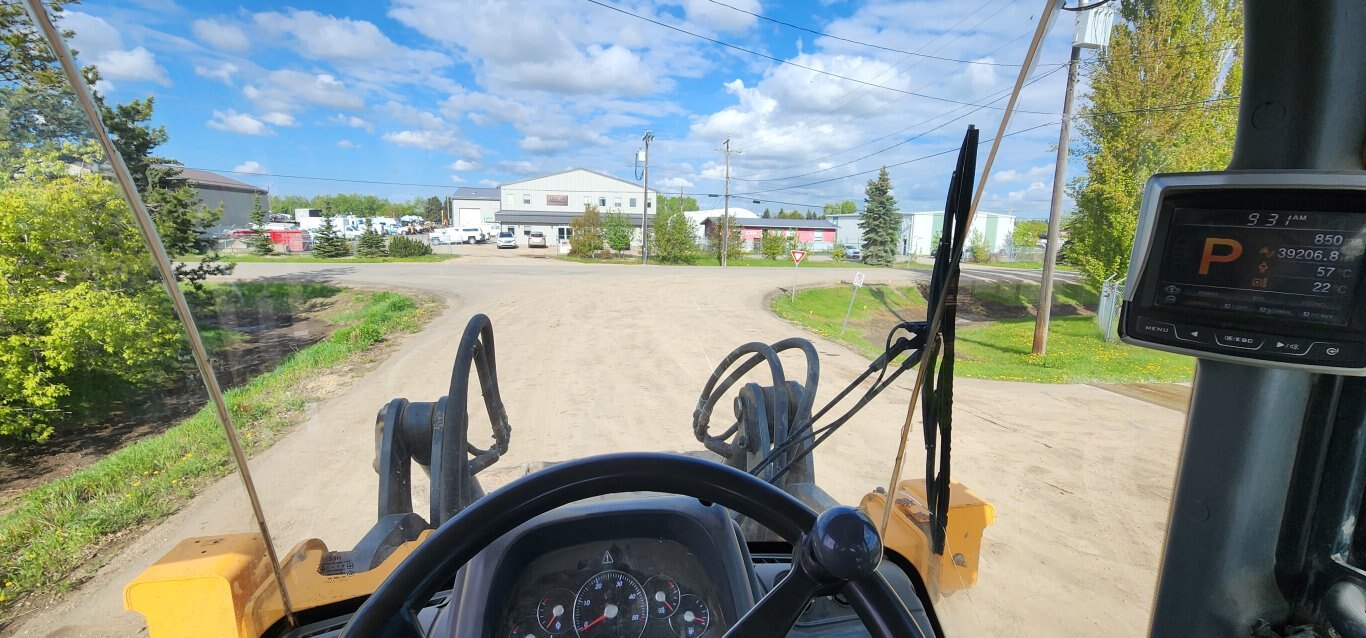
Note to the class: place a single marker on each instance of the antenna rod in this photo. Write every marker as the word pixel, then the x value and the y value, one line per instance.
pixel 1050 13
pixel 148 230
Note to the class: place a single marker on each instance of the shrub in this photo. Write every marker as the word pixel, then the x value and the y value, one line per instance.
pixel 978 251
pixel 405 247
pixel 838 252
pixel 586 237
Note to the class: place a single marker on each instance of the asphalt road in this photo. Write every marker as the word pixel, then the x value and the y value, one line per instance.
pixel 601 358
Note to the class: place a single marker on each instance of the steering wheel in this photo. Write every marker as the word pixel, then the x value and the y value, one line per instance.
pixel 837 551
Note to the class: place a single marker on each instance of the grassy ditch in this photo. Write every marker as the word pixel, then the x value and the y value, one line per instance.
pixel 309 259
pixel 738 262
pixel 996 345
pixel 55 528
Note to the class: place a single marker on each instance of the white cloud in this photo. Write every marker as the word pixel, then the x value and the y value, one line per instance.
pixel 223 72
pixel 288 90
pixel 722 18
pixel 347 144
pixel 250 166
pixel 411 116
pixel 520 167
pixel 671 183
pixel 279 119
pixel 488 183
pixel 241 123
pixel 99 43
pixel 351 121
pixel 221 35
pixel 537 144
pixel 447 140
pixel 354 47
pixel 1036 191
pixel 463 165
pixel 457 179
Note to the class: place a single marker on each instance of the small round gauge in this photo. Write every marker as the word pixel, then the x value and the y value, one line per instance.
pixel 662 594
pixel 553 610
pixel 526 628
pixel 692 618
pixel 612 603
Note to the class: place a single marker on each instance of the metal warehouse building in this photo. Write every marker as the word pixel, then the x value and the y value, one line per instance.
pixel 549 202
pixel 919 228
pixel 235 197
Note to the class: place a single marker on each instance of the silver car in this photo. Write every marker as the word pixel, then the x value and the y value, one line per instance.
pixel 507 240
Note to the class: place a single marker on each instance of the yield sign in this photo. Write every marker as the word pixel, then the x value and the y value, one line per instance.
pixel 798 256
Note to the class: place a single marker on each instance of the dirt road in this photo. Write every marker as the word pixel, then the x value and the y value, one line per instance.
pixel 597 359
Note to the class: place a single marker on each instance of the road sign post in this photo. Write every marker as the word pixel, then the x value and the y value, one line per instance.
pixel 797 256
pixel 858 282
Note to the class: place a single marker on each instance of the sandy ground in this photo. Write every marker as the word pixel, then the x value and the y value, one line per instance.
pixel 596 359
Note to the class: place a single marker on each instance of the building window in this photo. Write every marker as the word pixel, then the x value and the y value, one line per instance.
pixel 616 203
pixel 526 198
pixel 633 202
pixel 565 232
pixel 602 201
pixel 587 201
pixel 818 235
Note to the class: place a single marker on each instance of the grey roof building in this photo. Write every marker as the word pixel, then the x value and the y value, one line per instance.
pixel 236 197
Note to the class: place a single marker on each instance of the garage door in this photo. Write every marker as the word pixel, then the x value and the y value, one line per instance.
pixel 470 217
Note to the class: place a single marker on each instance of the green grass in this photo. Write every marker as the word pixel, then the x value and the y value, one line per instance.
pixel 309 259
pixel 53 529
pixel 990 350
pixel 1026 295
pixel 218 339
pixel 739 262
pixel 1029 265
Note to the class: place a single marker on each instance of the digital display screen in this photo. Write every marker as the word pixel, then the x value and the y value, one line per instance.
pixel 1293 265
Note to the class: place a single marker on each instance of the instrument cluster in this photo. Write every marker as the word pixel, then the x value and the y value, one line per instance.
pixel 631 588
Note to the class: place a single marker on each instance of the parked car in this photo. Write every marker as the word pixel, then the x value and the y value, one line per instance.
pixel 536 240
pixel 852 252
pixel 507 240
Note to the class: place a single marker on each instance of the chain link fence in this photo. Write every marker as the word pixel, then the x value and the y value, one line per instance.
pixel 1111 292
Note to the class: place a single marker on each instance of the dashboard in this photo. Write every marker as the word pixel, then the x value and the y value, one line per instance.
pixel 633 587
pixel 623 567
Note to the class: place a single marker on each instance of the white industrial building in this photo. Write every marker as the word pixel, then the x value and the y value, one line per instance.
pixel 550 202
pixel 474 207
pixel 919 228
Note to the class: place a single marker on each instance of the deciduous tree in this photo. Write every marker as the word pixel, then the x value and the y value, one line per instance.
pixel 617 230
pixel 585 239
pixel 1162 53
pixel 673 238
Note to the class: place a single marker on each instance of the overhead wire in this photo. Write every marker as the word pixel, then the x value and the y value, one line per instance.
pixel 859 42
pixel 794 64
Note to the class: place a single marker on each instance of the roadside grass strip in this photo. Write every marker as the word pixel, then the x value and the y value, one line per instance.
pixel 56 528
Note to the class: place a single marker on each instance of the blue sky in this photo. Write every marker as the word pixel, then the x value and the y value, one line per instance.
pixel 424 96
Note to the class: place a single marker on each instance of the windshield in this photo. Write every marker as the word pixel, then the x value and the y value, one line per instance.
pixel 328 179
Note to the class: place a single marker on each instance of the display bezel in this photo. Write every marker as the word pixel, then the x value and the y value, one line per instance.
pixel 1262 200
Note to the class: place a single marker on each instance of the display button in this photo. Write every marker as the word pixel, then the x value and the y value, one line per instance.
pixel 1239 340
pixel 1158 329
pixel 1290 346
pixel 1196 334
pixel 1334 351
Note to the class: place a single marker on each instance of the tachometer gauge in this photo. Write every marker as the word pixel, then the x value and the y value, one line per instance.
pixel 552 612
pixel 662 594
pixel 526 628
pixel 692 618
pixel 612 603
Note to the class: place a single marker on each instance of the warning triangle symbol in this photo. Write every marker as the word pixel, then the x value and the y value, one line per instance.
pixel 607 557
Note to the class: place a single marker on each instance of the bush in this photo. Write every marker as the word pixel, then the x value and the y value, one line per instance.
pixel 673 237
pixel 405 247
pixel 978 251
pixel 838 253
pixel 586 237
pixel 772 244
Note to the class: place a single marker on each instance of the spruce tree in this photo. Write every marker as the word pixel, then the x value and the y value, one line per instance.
pixel 371 243
pixel 881 223
pixel 259 243
pixel 328 243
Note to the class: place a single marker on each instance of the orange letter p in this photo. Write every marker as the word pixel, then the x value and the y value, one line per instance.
pixel 1235 251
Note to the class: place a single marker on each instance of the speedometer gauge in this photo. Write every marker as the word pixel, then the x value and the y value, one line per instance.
pixel 612 603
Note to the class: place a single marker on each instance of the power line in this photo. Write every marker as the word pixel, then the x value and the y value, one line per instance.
pixel 799 66
pixel 856 92
pixel 859 42
pixel 902 142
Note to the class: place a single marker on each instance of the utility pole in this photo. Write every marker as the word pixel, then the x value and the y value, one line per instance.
pixel 725 217
pixel 645 204
pixel 1092 32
